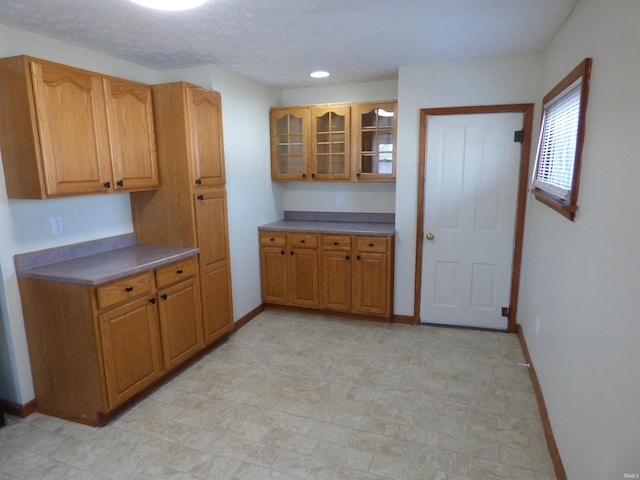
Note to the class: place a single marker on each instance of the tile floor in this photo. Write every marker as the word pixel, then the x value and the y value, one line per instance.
pixel 292 397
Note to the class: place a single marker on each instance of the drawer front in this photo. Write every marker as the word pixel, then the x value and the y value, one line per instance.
pixel 336 242
pixel 373 244
pixel 303 240
pixel 276 239
pixel 124 289
pixel 175 272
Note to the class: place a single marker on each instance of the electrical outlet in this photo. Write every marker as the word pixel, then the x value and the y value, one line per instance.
pixel 339 199
pixel 57 227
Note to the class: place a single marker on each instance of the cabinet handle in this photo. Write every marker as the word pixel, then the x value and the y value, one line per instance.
pixel 347 257
pixel 303 241
pixel 272 239
pixel 180 272
pixel 129 289
pixel 200 197
pixel 152 301
pixel 198 181
pixel 107 184
pixel 335 243
pixel 120 183
pixel 371 244
pixel 304 175
pixel 163 296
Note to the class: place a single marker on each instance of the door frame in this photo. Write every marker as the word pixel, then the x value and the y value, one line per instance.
pixel 527 110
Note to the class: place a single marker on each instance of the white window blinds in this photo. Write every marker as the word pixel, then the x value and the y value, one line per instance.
pixel 559 136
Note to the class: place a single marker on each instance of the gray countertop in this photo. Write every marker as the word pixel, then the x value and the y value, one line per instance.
pixel 338 223
pixel 96 262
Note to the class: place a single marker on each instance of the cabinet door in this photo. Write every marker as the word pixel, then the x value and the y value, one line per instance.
pixel 304 277
pixel 336 280
pixel 375 132
pixel 273 272
pixel 331 130
pixel 371 287
pixel 71 119
pixel 132 139
pixel 289 143
pixel 180 322
pixel 130 349
pixel 216 301
pixel 204 109
pixel 211 226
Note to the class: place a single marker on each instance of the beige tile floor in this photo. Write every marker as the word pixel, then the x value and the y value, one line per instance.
pixel 292 397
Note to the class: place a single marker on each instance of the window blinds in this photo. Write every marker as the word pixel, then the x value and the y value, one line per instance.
pixel 558 143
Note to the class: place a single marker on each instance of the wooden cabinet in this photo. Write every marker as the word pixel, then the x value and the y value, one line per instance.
pixel 190 208
pixel 66 131
pixel 334 142
pixel 343 273
pixel 92 348
pixel 375 127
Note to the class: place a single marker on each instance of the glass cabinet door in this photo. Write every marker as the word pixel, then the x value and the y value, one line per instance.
pixel 376 130
pixel 288 144
pixel 331 131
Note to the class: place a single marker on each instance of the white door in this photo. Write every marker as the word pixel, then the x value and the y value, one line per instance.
pixel 471 186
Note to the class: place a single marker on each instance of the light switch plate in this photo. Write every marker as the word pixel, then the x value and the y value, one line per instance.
pixel 57 227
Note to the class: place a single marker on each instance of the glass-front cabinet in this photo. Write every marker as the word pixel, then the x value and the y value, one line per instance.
pixel 289 143
pixel 375 131
pixel 331 142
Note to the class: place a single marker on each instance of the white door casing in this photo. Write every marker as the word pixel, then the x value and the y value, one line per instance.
pixel 471 189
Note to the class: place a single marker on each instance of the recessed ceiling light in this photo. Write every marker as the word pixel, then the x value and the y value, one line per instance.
pixel 319 74
pixel 171 5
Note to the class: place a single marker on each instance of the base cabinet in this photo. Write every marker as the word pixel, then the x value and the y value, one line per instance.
pixel 92 348
pixel 342 273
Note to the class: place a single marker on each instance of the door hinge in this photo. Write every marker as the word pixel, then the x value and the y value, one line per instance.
pixel 518 136
pixel 505 312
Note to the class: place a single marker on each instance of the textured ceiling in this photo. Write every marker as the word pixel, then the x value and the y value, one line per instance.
pixel 279 42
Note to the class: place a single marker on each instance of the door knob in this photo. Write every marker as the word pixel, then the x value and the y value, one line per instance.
pixel 430 236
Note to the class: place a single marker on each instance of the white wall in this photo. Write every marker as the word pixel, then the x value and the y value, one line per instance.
pixel 476 82
pixel 26 223
pixel 581 279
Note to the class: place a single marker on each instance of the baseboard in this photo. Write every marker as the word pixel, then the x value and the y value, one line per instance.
pixel 241 322
pixel 546 423
pixel 18 410
pixel 358 317
pixel 405 319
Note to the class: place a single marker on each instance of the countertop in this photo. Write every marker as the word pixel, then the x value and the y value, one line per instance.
pixel 338 223
pixel 98 261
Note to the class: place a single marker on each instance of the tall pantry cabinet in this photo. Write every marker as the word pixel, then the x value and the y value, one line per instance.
pixel 190 207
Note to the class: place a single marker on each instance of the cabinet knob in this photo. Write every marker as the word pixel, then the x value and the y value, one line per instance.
pixel 198 181
pixel 303 241
pixel 335 243
pixel 282 252
pixel 163 296
pixel 272 239
pixel 152 301
pixel 200 197
pixel 120 183
pixel 107 184
pixel 313 175
pixel 371 244
pixel 180 272
pixel 304 175
pixel 129 289
pixel 358 257
pixel 358 174
pixel 347 257
pixel 291 252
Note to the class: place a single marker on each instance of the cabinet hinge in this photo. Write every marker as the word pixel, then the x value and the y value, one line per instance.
pixel 518 136
pixel 505 312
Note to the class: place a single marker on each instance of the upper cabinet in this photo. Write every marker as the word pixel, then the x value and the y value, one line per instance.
pixel 66 131
pixel 375 140
pixel 334 142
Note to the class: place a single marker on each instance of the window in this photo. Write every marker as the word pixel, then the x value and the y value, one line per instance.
pixel 557 175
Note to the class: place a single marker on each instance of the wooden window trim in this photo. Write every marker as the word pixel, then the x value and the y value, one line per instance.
pixel 569 208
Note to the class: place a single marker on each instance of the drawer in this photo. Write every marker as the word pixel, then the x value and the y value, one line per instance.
pixel 336 242
pixel 124 289
pixel 175 272
pixel 373 244
pixel 276 239
pixel 303 240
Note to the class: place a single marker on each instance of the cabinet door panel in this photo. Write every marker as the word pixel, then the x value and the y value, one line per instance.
pixel 216 302
pixel 331 130
pixel 370 293
pixel 336 280
pixel 375 136
pixel 180 322
pixel 304 277
pixel 129 108
pixel 273 270
pixel 73 131
pixel 211 227
pixel 289 143
pixel 205 129
pixel 130 349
